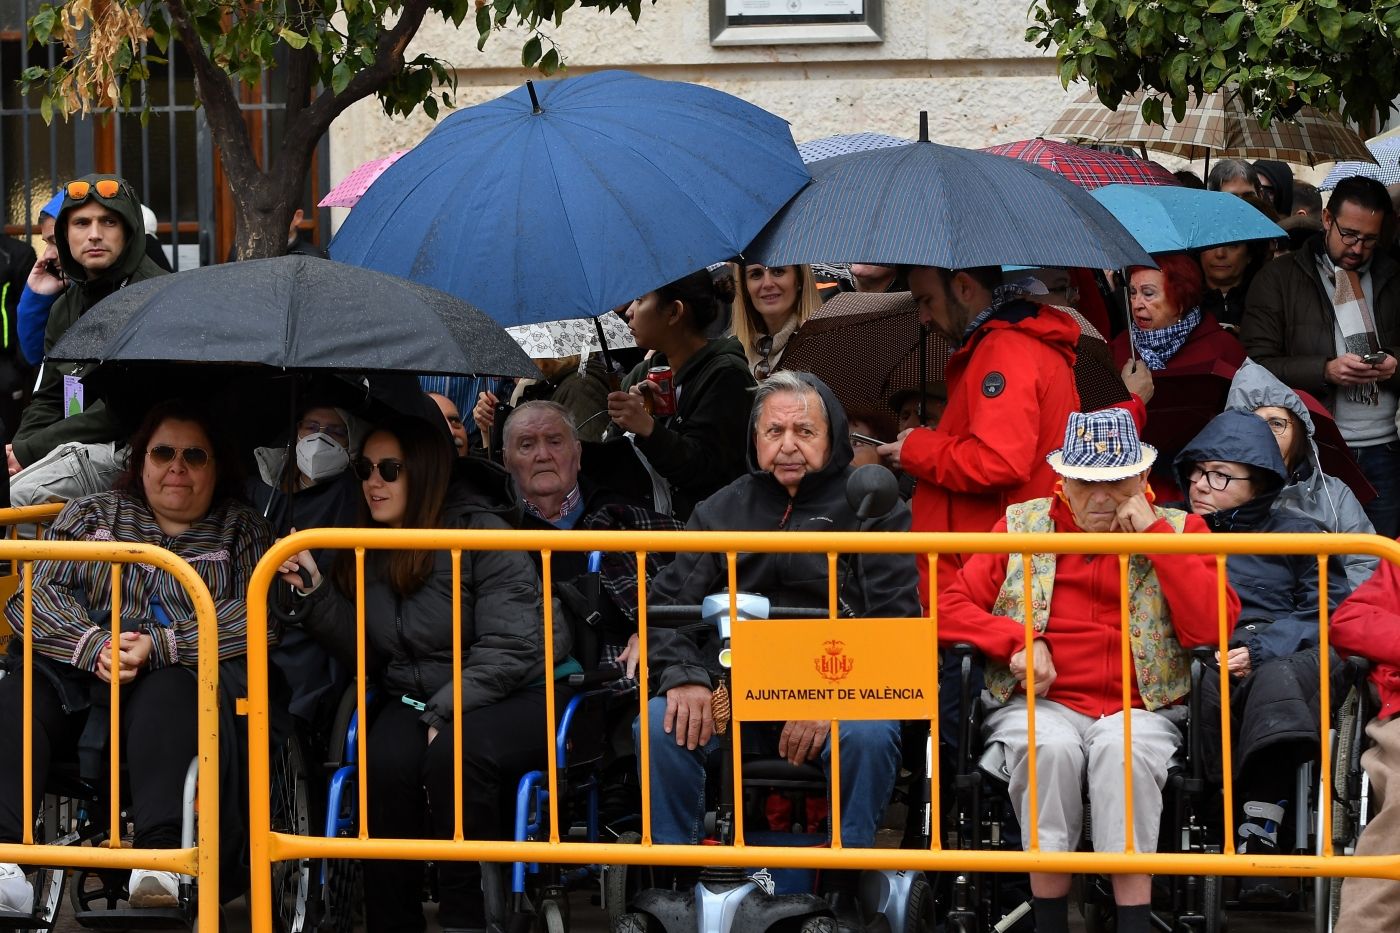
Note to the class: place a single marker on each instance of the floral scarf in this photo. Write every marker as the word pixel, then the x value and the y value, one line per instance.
pixel 1157 347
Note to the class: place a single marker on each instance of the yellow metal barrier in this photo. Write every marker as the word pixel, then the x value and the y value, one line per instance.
pixel 11 521
pixel 202 861
pixel 268 846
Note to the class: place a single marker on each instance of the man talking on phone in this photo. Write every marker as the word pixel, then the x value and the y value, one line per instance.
pixel 1326 319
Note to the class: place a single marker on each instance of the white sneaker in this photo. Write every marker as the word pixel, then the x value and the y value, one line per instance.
pixel 153 888
pixel 16 893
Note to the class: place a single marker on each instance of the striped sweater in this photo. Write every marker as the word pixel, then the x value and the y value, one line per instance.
pixel 223 547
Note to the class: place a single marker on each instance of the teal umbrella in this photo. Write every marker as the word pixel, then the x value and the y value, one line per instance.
pixel 1169 220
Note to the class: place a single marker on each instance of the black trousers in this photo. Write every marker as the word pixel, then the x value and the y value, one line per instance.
pixel 159 717
pixel 410 796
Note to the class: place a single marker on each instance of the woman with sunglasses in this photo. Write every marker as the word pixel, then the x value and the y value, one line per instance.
pixel 701 447
pixel 406 477
pixel 773 302
pixel 1232 473
pixel 181 491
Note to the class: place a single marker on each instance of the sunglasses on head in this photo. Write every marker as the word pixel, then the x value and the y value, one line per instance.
pixel 388 469
pixel 196 458
pixel 106 188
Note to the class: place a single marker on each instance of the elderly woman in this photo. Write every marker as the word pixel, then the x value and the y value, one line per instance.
pixel 773 302
pixel 1075 655
pixel 1170 336
pixel 1232 472
pixel 180 491
pixel 406 481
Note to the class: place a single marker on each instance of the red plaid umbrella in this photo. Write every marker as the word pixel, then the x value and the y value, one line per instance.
pixel 1087 168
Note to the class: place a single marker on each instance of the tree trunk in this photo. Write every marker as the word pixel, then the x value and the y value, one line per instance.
pixel 261 231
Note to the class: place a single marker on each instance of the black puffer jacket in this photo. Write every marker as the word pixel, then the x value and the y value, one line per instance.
pixel 871 585
pixel 409 638
pixel 1278 592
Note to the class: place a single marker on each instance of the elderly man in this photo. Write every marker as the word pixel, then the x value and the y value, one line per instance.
pixel 1010 389
pixel 453 417
pixel 799 456
pixel 1075 655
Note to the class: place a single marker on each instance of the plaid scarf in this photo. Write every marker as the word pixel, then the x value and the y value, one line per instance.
pixel 1355 322
pixel 1157 347
pixel 618 574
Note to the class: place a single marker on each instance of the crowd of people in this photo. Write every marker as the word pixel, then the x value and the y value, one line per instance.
pixel 1241 364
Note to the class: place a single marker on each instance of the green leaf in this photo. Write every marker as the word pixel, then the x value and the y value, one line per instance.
pixel 46 109
pixel 430 107
pixel 1329 23
pixel 41 26
pixel 340 76
pixel 295 39
pixel 1223 6
pixel 550 63
pixel 1176 73
pixel 1152 110
pixel 530 54
pixel 1233 26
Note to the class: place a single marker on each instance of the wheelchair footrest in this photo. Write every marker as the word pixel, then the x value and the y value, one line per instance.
pixel 131 918
pixel 14 920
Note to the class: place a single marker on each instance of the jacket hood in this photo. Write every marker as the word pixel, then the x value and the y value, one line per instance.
pixel 1050 325
pixel 1281 176
pixel 1235 437
pixel 1255 387
pixel 479 485
pixel 126 206
pixel 840 434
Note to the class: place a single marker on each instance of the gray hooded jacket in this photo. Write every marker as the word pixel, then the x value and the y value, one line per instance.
pixel 1309 491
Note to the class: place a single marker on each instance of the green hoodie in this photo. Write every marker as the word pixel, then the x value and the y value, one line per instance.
pixel 44 426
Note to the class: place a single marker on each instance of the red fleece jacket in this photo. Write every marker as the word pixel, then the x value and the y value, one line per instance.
pixel 1084 629
pixel 1367 625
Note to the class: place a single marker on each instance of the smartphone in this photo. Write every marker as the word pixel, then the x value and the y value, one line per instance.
pixel 1374 359
pixel 52 268
pixel 866 439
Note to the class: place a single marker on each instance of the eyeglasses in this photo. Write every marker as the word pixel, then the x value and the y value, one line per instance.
pixel 1351 237
pixel 389 469
pixel 1279 426
pixel 1214 478
pixel 196 458
pixel 337 431
pixel 106 187
pixel 764 367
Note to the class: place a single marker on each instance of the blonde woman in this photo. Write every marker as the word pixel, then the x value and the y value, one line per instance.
pixel 772 303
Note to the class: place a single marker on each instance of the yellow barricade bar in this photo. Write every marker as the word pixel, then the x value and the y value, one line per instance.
pixel 267 846
pixel 202 861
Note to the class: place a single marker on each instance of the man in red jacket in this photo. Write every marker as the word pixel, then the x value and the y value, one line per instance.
pixel 1367 624
pixel 1010 390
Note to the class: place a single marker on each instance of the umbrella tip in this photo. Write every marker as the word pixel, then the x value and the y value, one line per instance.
pixel 534 99
pixel 923 126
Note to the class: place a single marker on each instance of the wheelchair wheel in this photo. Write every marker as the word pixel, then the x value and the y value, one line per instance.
pixel 918 911
pixel 636 923
pixel 819 924
pixel 1213 903
pixel 291 814
pixel 619 882
pixel 552 918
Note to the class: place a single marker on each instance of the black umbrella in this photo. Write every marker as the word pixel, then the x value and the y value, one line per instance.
pixel 294 313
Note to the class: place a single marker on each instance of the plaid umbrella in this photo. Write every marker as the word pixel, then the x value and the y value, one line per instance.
pixel 1219 126
pixel 866 348
pixel 353 186
pixel 1386 170
pixel 1087 168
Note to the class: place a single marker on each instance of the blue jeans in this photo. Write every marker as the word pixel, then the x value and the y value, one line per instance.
pixel 1381 464
pixel 869 765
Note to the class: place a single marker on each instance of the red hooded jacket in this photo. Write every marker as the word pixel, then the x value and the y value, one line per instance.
pixel 1367 625
pixel 1010 391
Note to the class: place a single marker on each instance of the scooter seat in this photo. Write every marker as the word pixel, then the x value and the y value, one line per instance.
pixel 780 772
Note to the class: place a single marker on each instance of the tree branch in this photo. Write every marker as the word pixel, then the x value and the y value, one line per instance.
pixel 299 63
pixel 221 105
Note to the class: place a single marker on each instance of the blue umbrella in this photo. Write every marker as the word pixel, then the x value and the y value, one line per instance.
pixel 1168 220
pixel 571 197
pixel 931 205
pixel 1386 170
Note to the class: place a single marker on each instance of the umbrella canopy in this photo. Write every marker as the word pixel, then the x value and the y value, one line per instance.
pixel 1168 220
pixel 1087 168
pixel 1220 125
pixel 866 348
pixel 828 147
pixel 294 312
pixel 353 186
pixel 1385 170
pixel 555 339
pixel 571 197
pixel 929 205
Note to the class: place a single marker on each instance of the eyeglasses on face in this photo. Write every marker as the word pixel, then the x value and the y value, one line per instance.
pixel 196 458
pixel 1279 426
pixel 1351 237
pixel 337 431
pixel 1214 478
pixel 107 188
pixel 388 468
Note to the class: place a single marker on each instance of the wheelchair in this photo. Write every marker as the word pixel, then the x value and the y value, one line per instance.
pixel 982 817
pixel 1351 788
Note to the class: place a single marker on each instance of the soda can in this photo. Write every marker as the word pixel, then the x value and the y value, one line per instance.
pixel 663 396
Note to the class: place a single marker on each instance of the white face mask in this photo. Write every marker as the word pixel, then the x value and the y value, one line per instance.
pixel 319 457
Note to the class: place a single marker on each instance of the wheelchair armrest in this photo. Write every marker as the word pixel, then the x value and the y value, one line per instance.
pixel 1357 668
pixel 603 674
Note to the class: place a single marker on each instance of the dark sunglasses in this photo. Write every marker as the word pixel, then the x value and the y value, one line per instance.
pixel 196 458
pixel 388 469
pixel 106 187
pixel 764 367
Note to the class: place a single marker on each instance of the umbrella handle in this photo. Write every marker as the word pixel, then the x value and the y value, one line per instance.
pixel 614 380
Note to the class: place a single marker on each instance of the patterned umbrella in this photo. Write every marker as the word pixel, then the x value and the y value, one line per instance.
pixel 353 186
pixel 1087 168
pixel 828 146
pixel 554 339
pixel 1386 171
pixel 1219 126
